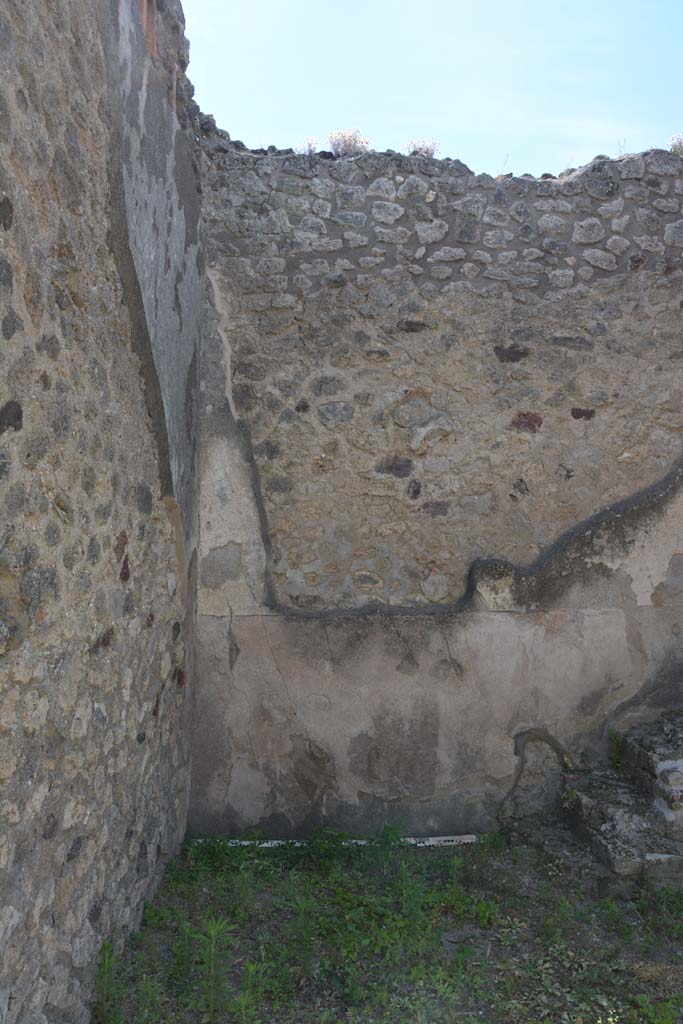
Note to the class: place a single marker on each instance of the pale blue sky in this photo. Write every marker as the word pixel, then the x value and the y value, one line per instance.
pixel 527 86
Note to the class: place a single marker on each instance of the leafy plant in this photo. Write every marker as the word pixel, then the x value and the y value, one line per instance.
pixel 484 912
pixel 649 1012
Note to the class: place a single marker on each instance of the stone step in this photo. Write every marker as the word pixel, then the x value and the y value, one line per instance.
pixel 651 756
pixel 624 829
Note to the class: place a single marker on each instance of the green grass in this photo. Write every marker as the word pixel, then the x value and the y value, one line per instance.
pixel 386 934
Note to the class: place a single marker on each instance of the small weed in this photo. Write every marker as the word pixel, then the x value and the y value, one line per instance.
pixel 149 1008
pixel 182 959
pixel 615 918
pixel 109 989
pixel 245 1006
pixel 662 910
pixel 615 748
pixel 213 993
pixel 326 848
pixel 309 147
pixel 485 913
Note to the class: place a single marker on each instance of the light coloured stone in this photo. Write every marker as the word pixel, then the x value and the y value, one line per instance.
pixel 673 233
pixel 387 213
pixel 413 186
pixel 431 231
pixel 618 245
pixel 561 278
pixel 435 587
pixel 382 187
pixel 650 243
pixel 551 224
pixel 600 258
pixel 497 239
pixel 588 231
pixel 447 254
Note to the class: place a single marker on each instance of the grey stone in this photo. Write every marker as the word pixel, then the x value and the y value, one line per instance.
pixel 493 215
pixel 413 186
pixel 588 231
pixel 387 213
pixel 351 196
pixel 551 224
pixel 355 241
pixel 432 231
pixel 313 224
pixel 447 254
pixel 351 218
pixel 673 233
pixel 435 587
pixel 669 205
pixel 520 211
pixel 660 161
pixel 383 187
pixel 648 220
pixel 631 167
pixel 333 413
pixel 618 245
pixel 497 239
pixel 600 258
pixel 479 504
pixel 561 278
pixel 612 208
pixel 650 243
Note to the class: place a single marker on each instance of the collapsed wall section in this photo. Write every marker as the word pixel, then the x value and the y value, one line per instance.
pixel 454 404
pixel 100 298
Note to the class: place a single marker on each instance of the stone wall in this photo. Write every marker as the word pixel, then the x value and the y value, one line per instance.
pixel 439 474
pixel 437 549
pixel 435 366
pixel 100 297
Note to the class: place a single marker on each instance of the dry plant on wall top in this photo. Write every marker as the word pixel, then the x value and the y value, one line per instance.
pixel 309 147
pixel 422 147
pixel 348 142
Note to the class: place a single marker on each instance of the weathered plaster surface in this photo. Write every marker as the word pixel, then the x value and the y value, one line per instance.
pixel 416 720
pixel 155 164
